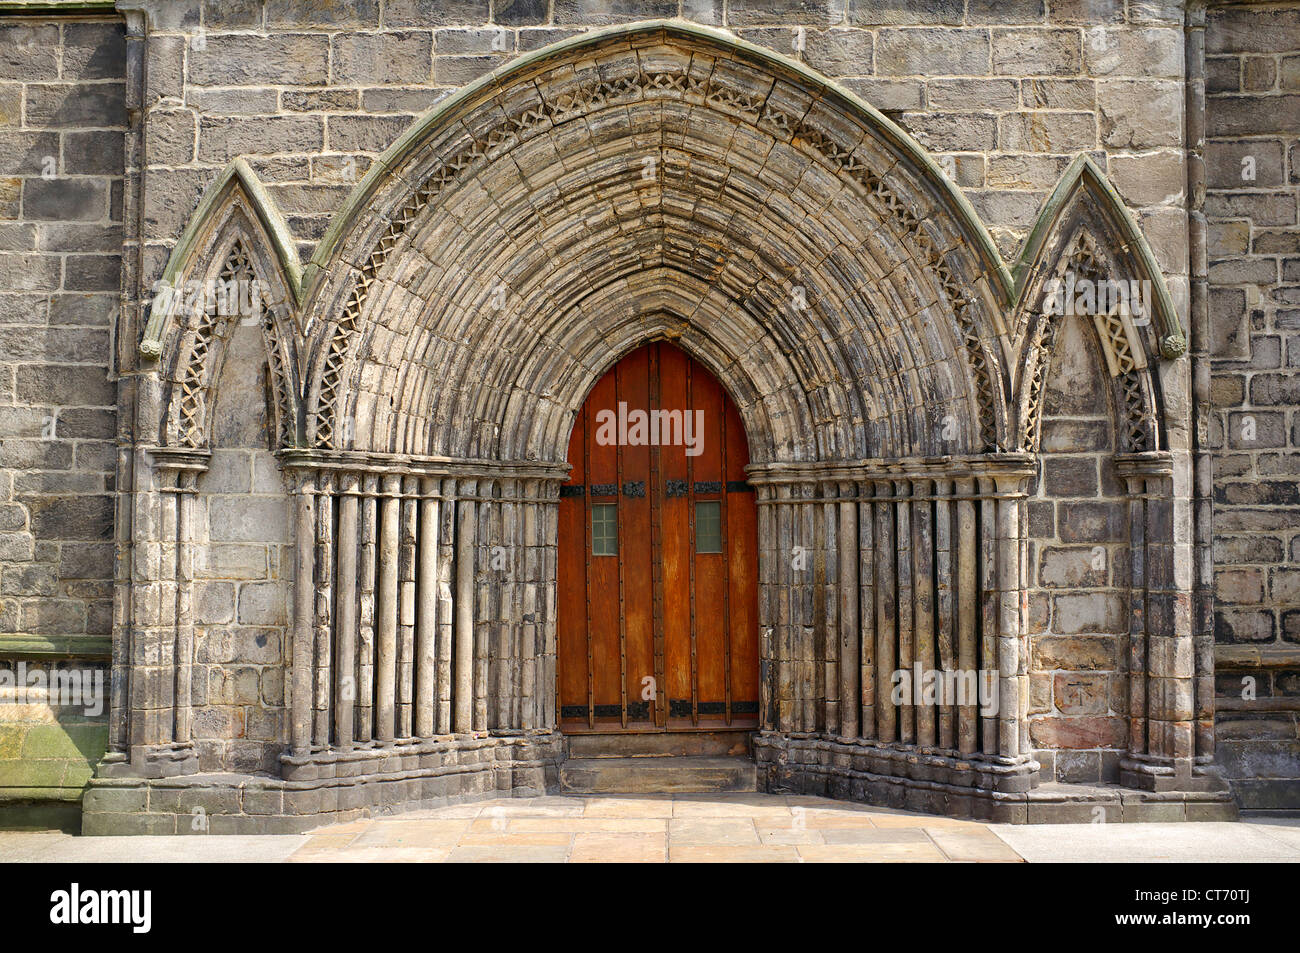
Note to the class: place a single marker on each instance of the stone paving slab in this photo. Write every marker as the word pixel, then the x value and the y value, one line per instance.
pixel 737 828
pixel 1251 840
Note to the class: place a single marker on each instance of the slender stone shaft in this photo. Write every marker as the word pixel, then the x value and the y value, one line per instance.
pixel 303 606
pixel 867 612
pixel 345 679
pixel 406 608
pixel 426 629
pixel 923 607
pixel 368 569
pixel 850 653
pixel 967 614
pixel 464 601
pixel 386 611
pixel 324 610
pixel 886 712
pixel 184 605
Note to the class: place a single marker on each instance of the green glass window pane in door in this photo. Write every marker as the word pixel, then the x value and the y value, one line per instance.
pixel 708 526
pixel 604 529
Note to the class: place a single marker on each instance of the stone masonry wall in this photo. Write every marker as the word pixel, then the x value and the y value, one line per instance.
pixel 1253 180
pixel 1003 93
pixel 61 146
pixel 243 571
pixel 1078 567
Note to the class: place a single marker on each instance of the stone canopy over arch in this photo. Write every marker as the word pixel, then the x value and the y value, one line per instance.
pixel 1084 238
pixel 662 180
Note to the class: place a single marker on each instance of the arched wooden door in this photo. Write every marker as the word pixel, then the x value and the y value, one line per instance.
pixel 658 540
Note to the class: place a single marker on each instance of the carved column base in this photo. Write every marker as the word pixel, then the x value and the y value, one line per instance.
pixel 150 761
pixel 1150 773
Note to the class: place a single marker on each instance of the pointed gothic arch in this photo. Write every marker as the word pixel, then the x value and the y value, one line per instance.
pixel 1085 239
pixel 812 213
pixel 235 263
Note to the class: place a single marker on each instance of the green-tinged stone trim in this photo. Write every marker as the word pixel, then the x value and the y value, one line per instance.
pixel 33 809
pixel 26 7
pixel 500 79
pixel 29 646
pixel 237 174
pixel 1084 174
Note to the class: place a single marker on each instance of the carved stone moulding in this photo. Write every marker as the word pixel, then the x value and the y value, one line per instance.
pixel 361 783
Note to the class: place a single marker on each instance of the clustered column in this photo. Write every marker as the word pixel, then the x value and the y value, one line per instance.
pixel 423 607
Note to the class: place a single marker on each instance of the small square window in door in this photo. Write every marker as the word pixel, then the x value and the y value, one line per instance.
pixel 604 529
pixel 708 526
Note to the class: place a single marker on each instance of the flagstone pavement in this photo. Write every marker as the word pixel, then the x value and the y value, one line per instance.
pixel 683 828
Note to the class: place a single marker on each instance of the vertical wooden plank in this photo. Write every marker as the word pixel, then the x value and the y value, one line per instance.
pixel 603 591
pixel 636 554
pixel 710 568
pixel 656 490
pixel 742 573
pixel 676 686
pixel 624 505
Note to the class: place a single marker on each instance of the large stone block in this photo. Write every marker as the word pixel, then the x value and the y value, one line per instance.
pixel 381 58
pixel 932 50
pixel 1037 52
pixel 240 59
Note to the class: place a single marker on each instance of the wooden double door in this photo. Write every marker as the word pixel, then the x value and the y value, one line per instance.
pixel 658 555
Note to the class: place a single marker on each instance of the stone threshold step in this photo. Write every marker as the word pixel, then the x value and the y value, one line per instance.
pixel 659 744
pixel 680 775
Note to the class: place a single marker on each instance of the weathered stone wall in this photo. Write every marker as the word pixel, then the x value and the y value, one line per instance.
pixel 244 564
pixel 1078 568
pixel 61 156
pixel 1003 94
pixel 1253 188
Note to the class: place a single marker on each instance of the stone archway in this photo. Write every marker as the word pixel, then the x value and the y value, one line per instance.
pixel 668 181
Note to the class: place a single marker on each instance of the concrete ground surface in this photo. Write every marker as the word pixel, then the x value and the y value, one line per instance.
pixel 684 828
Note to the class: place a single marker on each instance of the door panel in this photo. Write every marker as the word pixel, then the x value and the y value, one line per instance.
pixel 675 607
